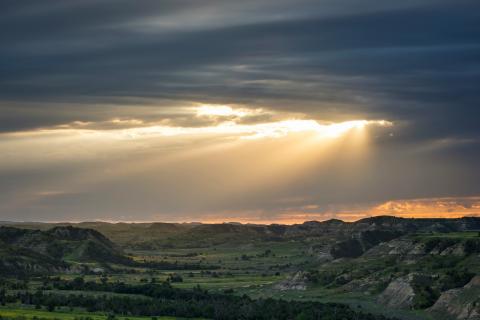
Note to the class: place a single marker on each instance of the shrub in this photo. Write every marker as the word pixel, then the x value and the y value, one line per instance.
pixel 425 296
pixel 175 277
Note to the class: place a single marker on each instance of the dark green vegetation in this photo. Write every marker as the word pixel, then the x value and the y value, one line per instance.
pixel 405 268
pixel 65 249
pixel 13 313
pixel 35 251
pixel 155 299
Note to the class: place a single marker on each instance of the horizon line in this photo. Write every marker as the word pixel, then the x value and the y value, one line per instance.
pixel 231 222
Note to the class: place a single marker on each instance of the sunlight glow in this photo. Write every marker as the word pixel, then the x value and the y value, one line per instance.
pixel 262 130
pixel 247 157
pixel 275 129
pixel 219 111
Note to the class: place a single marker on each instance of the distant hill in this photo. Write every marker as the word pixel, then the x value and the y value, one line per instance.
pixel 36 251
pixel 367 232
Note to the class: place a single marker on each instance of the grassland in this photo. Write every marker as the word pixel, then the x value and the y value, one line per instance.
pixel 449 235
pixel 254 268
pixel 22 312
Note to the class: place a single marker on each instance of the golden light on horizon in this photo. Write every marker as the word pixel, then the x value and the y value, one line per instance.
pixel 425 208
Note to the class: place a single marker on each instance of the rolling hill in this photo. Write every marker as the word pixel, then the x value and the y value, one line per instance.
pixel 57 249
pixel 367 231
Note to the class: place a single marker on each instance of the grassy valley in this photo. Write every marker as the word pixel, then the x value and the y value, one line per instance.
pixel 377 267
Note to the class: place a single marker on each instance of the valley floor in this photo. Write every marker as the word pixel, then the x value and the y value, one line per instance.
pixel 410 276
pixel 20 312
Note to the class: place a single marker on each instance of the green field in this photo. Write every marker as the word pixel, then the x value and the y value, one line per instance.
pixel 450 235
pixel 260 269
pixel 28 313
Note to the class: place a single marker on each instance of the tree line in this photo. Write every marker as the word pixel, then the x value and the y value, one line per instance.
pixel 164 300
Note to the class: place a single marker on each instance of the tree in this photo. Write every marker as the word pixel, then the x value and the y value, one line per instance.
pixel 3 297
pixel 175 277
pixel 51 306
pixel 78 282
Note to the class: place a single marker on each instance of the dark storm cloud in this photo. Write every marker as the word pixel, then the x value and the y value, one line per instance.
pixel 415 63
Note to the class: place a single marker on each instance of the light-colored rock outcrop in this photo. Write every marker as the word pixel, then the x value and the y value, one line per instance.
pixel 297 282
pixel 398 294
pixel 460 304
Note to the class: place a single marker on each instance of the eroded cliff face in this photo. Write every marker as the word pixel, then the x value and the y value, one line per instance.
pixel 296 282
pixel 398 294
pixel 462 303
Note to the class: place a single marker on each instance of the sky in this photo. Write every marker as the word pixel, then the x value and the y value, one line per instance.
pixel 254 111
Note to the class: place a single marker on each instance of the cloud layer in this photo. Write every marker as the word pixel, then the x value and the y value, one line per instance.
pixel 73 75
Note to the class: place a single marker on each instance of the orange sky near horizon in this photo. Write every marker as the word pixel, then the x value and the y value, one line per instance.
pixel 443 208
pixel 447 207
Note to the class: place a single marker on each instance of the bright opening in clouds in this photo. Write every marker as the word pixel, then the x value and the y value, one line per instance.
pixel 222 111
